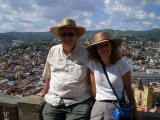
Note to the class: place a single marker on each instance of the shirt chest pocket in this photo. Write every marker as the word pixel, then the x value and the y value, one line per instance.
pixel 57 66
pixel 80 72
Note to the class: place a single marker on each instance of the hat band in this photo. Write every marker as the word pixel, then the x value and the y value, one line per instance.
pixel 68 25
pixel 101 40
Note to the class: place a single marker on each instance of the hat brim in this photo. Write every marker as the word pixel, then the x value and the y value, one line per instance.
pixel 118 42
pixel 55 30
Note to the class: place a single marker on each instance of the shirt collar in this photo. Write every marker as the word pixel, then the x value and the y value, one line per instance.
pixel 74 50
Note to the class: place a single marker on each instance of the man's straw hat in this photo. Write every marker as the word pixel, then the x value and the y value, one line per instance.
pixel 68 23
pixel 102 37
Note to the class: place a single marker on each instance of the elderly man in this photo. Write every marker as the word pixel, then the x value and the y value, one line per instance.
pixel 67 89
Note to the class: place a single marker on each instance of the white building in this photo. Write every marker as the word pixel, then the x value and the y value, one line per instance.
pixel 150 77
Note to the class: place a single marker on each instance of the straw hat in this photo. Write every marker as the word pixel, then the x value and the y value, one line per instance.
pixel 102 37
pixel 68 23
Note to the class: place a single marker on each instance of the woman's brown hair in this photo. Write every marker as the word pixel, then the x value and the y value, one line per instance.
pixel 115 53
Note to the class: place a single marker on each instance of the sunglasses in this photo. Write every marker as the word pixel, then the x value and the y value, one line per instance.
pixel 70 34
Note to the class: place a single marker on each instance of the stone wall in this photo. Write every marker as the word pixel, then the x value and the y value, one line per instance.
pixel 8 107
pixel 18 108
pixel 30 108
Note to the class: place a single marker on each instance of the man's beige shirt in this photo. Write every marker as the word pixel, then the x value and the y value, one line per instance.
pixel 69 77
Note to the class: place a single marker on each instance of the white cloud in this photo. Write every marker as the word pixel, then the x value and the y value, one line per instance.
pixel 32 14
pixel 152 15
pixel 116 27
pixel 106 1
pixel 158 18
pixel 40 15
pixel 6 26
pixel 136 27
pixel 155 26
pixel 114 6
pixel 147 23
pixel 121 24
pixel 103 25
pixel 88 22
pixel 158 2
pixel 128 14
pixel 150 25
pixel 125 11
pixel 141 15
pixel 87 14
pixel 98 27
pixel 106 24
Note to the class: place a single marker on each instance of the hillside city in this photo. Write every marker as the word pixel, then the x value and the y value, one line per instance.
pixel 21 66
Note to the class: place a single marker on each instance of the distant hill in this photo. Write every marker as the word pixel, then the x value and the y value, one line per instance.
pixel 150 35
pixel 30 37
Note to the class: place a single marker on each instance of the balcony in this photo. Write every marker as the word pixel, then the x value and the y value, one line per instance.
pixel 30 108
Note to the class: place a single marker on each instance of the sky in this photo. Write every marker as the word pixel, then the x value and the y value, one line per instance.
pixel 41 15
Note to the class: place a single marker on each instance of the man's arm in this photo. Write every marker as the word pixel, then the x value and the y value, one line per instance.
pixel 46 88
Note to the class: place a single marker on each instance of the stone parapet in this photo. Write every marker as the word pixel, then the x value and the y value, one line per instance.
pixel 30 108
pixel 21 108
pixel 150 116
pixel 8 107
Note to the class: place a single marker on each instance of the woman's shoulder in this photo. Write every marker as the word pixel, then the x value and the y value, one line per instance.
pixel 93 62
pixel 121 61
pixel 123 65
pixel 92 65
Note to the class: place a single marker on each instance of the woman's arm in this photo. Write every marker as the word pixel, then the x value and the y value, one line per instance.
pixel 46 88
pixel 127 84
pixel 93 86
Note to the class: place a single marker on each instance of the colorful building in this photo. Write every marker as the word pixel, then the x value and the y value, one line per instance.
pixel 146 96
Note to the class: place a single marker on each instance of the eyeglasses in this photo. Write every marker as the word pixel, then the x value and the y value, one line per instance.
pixel 70 34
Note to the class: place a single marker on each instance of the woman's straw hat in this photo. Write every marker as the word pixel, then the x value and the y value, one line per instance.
pixel 68 23
pixel 102 37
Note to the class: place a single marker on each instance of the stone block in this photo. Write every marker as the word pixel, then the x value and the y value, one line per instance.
pixel 150 116
pixel 8 107
pixel 30 108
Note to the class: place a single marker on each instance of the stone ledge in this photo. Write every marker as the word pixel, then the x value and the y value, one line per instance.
pixel 30 108
pixel 32 103
pixel 150 116
pixel 9 101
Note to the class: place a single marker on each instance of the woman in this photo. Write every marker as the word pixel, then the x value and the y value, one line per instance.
pixel 107 50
